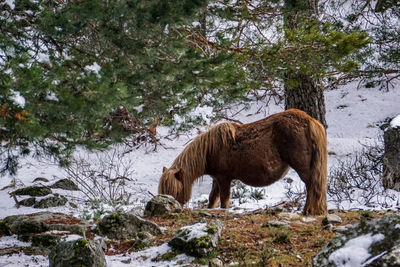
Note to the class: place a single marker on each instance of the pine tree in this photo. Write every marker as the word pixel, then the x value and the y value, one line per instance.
pixel 73 63
pixel 285 44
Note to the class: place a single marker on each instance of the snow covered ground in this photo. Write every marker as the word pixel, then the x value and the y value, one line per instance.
pixel 352 116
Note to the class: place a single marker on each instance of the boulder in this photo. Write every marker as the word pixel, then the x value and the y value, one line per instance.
pixel 124 226
pixel 391 157
pixel 52 201
pixel 34 191
pixel 79 252
pixel 332 219
pixel 198 239
pixel 41 222
pixel 65 184
pixel 162 204
pixel 40 179
pixel 369 243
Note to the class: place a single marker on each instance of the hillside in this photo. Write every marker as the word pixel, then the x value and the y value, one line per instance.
pixel 353 116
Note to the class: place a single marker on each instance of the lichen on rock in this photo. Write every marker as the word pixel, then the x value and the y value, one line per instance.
pixel 198 239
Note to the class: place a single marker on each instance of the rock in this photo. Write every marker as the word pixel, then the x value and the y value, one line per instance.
pixel 215 262
pixel 27 202
pixel 42 222
pixel 34 191
pixel 45 240
pixel 277 224
pixel 290 216
pixel 308 219
pixel 40 179
pixel 341 228
pixel 53 201
pixel 162 204
pixel 79 252
pixel 332 219
pixel 122 226
pixel 65 184
pixel 198 239
pixel 369 243
pixel 391 158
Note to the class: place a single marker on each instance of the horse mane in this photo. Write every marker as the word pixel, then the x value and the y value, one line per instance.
pixel 193 158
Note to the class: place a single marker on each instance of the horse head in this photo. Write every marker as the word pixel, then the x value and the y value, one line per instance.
pixel 171 183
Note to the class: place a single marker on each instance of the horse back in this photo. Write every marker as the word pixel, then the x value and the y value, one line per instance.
pixel 262 150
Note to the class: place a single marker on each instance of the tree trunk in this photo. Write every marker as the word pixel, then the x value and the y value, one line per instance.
pixel 301 91
pixel 306 96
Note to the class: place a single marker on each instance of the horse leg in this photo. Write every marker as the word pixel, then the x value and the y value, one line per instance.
pixel 316 194
pixel 225 193
pixel 214 195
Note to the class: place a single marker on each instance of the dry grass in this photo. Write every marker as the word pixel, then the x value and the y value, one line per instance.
pixel 246 242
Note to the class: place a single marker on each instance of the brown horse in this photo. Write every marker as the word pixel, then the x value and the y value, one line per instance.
pixel 258 154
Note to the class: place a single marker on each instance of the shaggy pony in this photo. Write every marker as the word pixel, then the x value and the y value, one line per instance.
pixel 258 154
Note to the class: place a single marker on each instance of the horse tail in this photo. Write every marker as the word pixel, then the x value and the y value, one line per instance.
pixel 319 169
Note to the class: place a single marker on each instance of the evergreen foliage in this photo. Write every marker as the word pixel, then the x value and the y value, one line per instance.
pixel 67 65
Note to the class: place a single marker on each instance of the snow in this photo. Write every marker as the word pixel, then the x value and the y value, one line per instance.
pixel 17 98
pixel 355 252
pixel 349 128
pixel 196 230
pixel 10 3
pixel 144 258
pixel 12 241
pixel 95 67
pixel 395 123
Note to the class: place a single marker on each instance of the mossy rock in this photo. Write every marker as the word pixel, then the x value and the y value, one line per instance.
pixel 40 179
pixel 122 226
pixel 162 204
pixel 27 202
pixel 382 234
pixel 34 191
pixel 53 201
pixel 65 184
pixel 45 240
pixel 79 252
pixel 197 240
pixel 41 222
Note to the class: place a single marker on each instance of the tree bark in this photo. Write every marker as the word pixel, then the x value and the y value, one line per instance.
pixel 301 91
pixel 307 96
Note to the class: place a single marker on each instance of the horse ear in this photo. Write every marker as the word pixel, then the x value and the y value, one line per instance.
pixel 164 169
pixel 179 174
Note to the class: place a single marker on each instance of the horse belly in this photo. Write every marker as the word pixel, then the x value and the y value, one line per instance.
pixel 257 168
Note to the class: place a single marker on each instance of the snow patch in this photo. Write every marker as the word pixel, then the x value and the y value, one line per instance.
pixel 11 3
pixel 395 123
pixel 12 241
pixel 355 252
pixel 93 68
pixel 196 230
pixel 17 98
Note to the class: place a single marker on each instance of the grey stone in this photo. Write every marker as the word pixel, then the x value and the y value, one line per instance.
pixel 277 224
pixel 52 201
pixel 27 202
pixel 79 252
pixel 34 191
pixel 40 179
pixel 384 249
pixel 123 226
pixel 290 216
pixel 215 262
pixel 65 184
pixel 42 222
pixel 162 204
pixel 45 240
pixel 198 239
pixel 333 219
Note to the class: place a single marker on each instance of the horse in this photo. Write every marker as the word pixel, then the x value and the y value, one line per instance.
pixel 258 154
